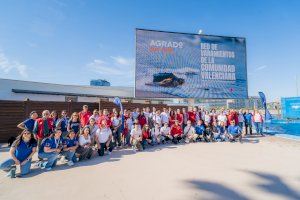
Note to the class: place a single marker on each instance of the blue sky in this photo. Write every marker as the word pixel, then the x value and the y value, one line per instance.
pixel 73 41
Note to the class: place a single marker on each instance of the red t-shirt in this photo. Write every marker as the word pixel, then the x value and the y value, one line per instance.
pixel 192 116
pixel 172 120
pixel 142 120
pixel 106 118
pixel 146 134
pixel 84 118
pixel 176 129
pixel 179 117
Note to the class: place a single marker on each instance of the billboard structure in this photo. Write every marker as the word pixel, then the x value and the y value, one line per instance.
pixel 181 65
pixel 290 108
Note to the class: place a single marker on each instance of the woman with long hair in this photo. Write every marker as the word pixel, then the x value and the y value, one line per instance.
pixel 74 123
pixel 84 149
pixel 21 153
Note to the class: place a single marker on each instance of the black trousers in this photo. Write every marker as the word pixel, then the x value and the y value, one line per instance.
pixel 103 148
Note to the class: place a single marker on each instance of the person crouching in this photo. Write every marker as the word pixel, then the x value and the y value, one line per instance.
pixel 103 138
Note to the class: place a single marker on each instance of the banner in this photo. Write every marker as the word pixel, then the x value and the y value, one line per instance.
pixel 290 108
pixel 263 99
pixel 180 65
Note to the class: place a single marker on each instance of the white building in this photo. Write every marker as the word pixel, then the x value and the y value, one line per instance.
pixel 20 90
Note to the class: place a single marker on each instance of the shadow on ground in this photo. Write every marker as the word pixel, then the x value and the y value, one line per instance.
pixel 272 184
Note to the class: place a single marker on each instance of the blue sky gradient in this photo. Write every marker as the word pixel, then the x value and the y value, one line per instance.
pixel 71 42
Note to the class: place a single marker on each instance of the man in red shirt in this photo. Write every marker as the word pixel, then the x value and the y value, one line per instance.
pixel 84 115
pixel 43 127
pixel 176 132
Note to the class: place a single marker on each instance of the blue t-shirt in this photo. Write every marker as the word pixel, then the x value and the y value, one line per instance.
pixel 23 150
pixel 75 126
pixel 248 118
pixel 63 124
pixel 221 130
pixel 234 130
pixel 199 129
pixel 70 142
pixel 29 124
pixel 50 142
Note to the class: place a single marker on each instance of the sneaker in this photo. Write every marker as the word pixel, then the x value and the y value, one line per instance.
pixel 43 165
pixel 70 163
pixel 133 149
pixel 12 172
pixel 108 152
pixel 49 168
pixel 77 159
pixel 63 159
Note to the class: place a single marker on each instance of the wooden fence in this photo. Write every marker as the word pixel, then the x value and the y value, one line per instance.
pixel 14 112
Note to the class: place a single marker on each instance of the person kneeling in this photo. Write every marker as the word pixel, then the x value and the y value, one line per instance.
pixel 234 132
pixel 200 131
pixel 70 145
pixel 21 153
pixel 85 149
pixel 176 132
pixel 103 138
pixel 189 132
pixel 136 138
pixel 51 146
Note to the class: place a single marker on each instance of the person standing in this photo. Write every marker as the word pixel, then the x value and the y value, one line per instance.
pixel 116 129
pixel 28 124
pixel 185 117
pixel 248 122
pixel 258 122
pixel 62 123
pixel 43 127
pixel 84 116
pixel 74 124
pixel 164 116
pixel 241 119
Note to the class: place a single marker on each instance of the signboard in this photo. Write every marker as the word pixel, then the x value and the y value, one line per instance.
pixel 290 108
pixel 181 65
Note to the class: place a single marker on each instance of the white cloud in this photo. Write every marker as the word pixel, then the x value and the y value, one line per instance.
pixel 119 60
pixel 102 67
pixel 7 66
pixel 261 67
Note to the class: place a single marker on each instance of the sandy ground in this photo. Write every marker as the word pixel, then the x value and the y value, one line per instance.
pixel 260 168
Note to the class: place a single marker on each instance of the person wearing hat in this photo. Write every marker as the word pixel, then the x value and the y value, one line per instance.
pixel 51 146
pixel 21 153
pixel 70 144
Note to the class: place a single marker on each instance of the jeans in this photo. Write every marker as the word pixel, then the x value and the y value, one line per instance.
pixel 7 164
pixel 258 127
pixel 70 155
pixel 117 136
pixel 241 124
pixel 51 159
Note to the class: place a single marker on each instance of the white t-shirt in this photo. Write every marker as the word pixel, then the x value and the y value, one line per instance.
pixel 155 131
pixel 241 117
pixel 136 133
pixel 222 118
pixel 129 123
pixel 165 130
pixel 156 119
pixel 103 134
pixel 83 141
pixel 207 118
pixel 164 117
pixel 189 130
pixel 93 131
pixel 115 121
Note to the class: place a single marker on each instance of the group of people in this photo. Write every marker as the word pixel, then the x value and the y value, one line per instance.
pixel 83 134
